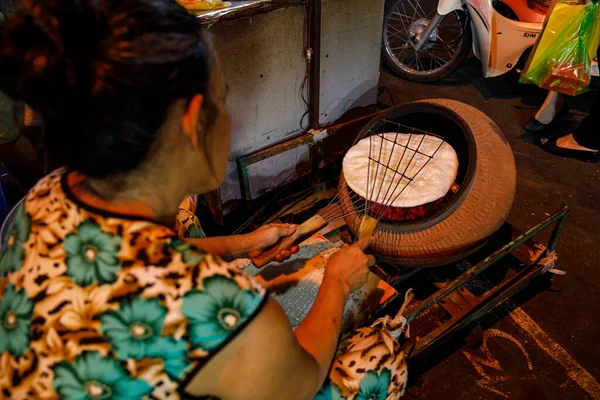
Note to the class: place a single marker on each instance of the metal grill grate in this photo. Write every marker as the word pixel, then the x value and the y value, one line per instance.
pixel 392 171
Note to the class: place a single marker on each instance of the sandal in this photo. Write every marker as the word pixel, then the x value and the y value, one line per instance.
pixel 550 146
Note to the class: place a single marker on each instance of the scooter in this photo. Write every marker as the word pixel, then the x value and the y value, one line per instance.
pixel 425 40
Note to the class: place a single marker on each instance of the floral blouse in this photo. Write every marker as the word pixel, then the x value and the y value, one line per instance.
pixel 98 306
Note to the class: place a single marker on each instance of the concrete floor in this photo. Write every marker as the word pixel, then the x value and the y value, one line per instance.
pixel 547 348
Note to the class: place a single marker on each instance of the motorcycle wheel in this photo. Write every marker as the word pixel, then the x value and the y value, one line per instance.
pixel 447 46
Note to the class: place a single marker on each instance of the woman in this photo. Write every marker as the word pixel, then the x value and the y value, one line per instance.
pixel 554 105
pixel 584 144
pixel 98 297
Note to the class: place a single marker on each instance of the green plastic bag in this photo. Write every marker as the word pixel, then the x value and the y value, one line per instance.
pixel 562 58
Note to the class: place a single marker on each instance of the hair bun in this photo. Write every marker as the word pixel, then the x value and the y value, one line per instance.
pixel 29 58
pixel 103 74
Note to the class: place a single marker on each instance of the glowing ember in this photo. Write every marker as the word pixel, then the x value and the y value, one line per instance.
pixel 414 213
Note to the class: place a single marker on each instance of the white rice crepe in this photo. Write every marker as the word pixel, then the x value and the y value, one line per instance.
pixel 429 183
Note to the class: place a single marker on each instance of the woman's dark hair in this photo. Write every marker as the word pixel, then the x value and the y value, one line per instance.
pixel 103 74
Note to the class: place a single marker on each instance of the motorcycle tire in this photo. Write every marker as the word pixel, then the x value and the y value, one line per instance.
pixel 437 74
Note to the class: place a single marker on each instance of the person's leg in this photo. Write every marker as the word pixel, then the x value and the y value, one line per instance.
pixel 587 137
pixel 588 134
pixel 584 144
pixel 554 101
pixel 554 105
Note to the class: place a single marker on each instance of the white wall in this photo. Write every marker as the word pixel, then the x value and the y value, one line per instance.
pixel 264 64
pixel 350 55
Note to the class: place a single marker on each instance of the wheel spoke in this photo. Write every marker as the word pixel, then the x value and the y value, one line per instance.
pixel 446 46
pixel 403 37
pixel 415 8
pixel 397 31
pixel 401 52
pixel 436 58
pixel 440 51
pixel 404 20
pixel 402 49
pixel 406 13
pixel 415 61
pixel 449 49
pixel 421 8
pixel 419 62
pixel 404 46
pixel 398 19
pixel 403 17
pixel 439 57
pixel 411 62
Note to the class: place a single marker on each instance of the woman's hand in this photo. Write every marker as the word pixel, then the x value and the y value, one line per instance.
pixel 350 265
pixel 266 236
pixel 248 245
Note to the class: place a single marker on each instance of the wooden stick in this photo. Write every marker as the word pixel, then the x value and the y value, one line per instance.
pixel 367 227
pixel 303 232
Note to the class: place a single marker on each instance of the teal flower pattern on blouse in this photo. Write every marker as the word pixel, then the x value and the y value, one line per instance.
pixel 374 386
pixel 174 354
pixel 134 328
pixel 195 232
pixel 329 391
pixel 92 255
pixel 15 318
pixel 13 252
pixel 217 311
pixel 190 254
pixel 134 331
pixel 92 377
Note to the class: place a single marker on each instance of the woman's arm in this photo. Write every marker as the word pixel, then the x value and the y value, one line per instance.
pixel 347 271
pixel 247 245
pixel 226 247
pixel 268 361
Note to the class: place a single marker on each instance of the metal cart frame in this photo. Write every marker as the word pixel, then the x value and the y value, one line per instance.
pixel 475 307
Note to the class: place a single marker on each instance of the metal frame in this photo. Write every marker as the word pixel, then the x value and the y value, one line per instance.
pixel 310 138
pixel 479 306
